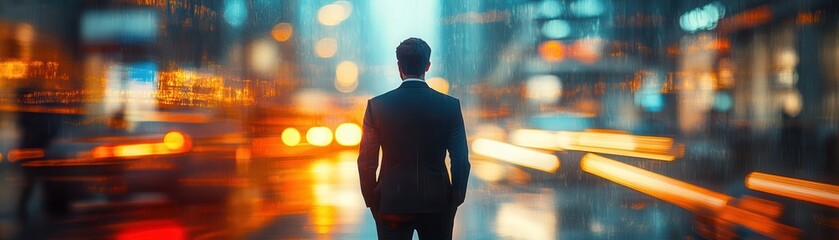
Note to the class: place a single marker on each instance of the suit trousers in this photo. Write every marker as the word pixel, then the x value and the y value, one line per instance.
pixel 436 225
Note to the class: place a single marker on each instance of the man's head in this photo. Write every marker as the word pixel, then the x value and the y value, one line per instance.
pixel 413 56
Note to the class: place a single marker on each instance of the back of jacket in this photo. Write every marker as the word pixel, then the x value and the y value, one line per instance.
pixel 414 126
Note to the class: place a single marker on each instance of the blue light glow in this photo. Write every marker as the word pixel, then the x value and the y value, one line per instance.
pixel 587 8
pixel 722 101
pixel 556 29
pixel 235 12
pixel 649 97
pixel 550 9
pixel 142 72
pixel 703 18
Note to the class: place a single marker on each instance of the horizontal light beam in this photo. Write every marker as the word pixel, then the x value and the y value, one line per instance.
pixel 599 141
pixel 804 190
pixel 688 196
pixel 516 155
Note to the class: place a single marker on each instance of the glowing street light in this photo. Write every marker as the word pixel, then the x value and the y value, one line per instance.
pixel 290 137
pixel 348 134
pixel 319 136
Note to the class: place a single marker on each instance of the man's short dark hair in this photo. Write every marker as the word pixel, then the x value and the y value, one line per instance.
pixel 413 55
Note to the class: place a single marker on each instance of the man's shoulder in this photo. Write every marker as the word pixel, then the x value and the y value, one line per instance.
pixel 449 98
pixel 382 96
pixel 393 93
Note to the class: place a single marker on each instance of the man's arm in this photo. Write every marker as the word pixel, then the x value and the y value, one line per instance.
pixel 368 157
pixel 459 155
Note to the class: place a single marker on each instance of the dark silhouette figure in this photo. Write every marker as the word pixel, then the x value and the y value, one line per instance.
pixel 37 132
pixel 414 125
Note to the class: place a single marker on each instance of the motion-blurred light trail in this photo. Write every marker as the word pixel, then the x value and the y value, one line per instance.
pixel 516 155
pixel 534 138
pixel 172 143
pixel 24 154
pixel 599 141
pixel 656 148
pixel 761 206
pixel 804 190
pixel 758 223
pixel 683 194
pixel 688 196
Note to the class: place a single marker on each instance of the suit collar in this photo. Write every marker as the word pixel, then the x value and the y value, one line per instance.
pixel 413 84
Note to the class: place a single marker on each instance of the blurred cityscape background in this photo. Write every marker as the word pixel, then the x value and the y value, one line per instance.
pixel 587 119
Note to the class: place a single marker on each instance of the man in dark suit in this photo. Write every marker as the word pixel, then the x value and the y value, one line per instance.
pixel 414 125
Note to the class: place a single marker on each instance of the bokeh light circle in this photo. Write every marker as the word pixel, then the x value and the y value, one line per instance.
pixel 326 47
pixel 290 137
pixel 348 134
pixel 174 140
pixel 282 32
pixel 319 136
pixel 346 76
pixel 552 51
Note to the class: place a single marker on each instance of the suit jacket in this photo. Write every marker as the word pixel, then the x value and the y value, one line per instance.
pixel 414 125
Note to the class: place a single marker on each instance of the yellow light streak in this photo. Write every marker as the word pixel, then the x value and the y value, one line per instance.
pixel 534 138
pixel 173 143
pixel 628 153
pixel 599 141
pixel 136 150
pixel 610 140
pixel 804 190
pixel 516 155
pixel 683 194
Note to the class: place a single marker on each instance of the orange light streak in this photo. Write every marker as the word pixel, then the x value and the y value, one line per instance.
pixel 761 206
pixel 136 150
pixel 628 153
pixel 804 190
pixel 25 153
pixel 688 196
pixel 758 223
pixel 172 143
pixel 745 19
pixel 516 155
pixel 68 162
